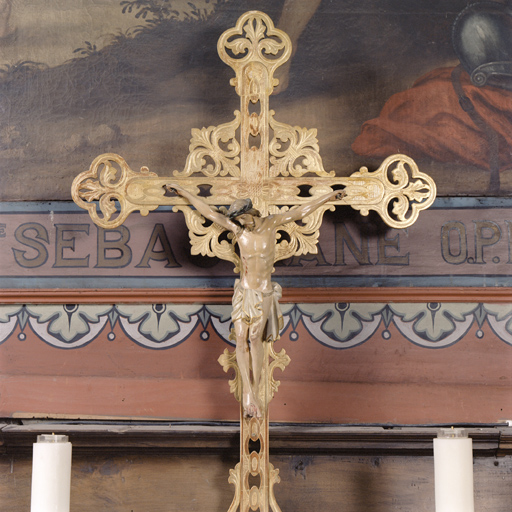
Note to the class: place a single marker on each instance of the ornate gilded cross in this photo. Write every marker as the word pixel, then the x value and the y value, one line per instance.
pixel 277 166
pixel 255 156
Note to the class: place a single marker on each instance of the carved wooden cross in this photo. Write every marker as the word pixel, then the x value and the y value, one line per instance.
pixel 253 156
pixel 277 166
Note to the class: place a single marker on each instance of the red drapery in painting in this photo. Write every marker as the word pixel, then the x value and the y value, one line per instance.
pixel 427 121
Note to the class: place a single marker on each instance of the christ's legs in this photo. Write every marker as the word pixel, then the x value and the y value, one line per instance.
pixel 256 335
pixel 249 400
pixel 257 357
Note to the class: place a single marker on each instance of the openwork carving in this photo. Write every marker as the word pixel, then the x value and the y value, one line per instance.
pixel 276 360
pixel 205 240
pixel 107 181
pixel 228 360
pixel 270 171
pixel 214 151
pixel 303 239
pixel 301 154
pixel 397 191
pixel 272 163
pixel 262 44
pixel 254 439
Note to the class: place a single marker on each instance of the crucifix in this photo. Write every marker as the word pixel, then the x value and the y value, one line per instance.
pixel 270 166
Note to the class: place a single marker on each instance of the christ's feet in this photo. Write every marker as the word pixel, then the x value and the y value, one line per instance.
pixel 251 407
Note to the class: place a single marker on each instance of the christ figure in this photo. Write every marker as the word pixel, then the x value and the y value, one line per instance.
pixel 256 315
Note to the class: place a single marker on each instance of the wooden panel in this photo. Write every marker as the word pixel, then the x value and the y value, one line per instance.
pixel 459 242
pixel 123 467
pixel 285 439
pixel 193 482
pixel 381 381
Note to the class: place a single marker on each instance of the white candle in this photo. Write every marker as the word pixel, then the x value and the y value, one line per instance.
pixel 51 474
pixel 453 466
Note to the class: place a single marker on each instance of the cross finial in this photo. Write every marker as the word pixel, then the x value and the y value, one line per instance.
pixel 255 156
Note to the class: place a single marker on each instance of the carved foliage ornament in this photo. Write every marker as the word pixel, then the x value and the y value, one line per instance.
pixel 277 166
pixel 255 156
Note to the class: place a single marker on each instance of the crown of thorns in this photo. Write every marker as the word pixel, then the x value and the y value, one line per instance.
pixel 241 206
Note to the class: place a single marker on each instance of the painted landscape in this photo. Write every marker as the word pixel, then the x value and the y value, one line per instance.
pixel 139 90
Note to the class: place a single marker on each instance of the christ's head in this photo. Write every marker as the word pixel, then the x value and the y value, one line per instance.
pixel 243 212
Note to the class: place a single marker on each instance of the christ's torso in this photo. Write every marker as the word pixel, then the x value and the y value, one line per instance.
pixel 257 252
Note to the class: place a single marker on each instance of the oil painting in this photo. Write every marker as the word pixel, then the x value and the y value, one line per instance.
pixel 135 76
pixel 427 78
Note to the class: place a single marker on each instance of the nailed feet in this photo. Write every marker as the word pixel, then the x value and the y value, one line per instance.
pixel 251 407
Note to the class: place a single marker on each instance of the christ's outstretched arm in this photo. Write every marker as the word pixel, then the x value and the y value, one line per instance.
pixel 204 209
pixel 304 210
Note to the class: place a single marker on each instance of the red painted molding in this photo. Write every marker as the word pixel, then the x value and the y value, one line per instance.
pixel 223 295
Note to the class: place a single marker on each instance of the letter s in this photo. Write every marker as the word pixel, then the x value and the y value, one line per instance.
pixel 20 235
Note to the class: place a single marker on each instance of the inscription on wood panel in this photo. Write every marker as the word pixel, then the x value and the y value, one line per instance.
pixel 459 242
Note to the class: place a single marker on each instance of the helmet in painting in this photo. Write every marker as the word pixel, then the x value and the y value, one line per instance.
pixel 482 39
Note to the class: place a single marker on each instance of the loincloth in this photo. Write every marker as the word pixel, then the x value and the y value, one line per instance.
pixel 248 307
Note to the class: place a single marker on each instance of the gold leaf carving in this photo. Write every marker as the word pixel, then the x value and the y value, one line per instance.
pixel 303 237
pixel 271 162
pixel 206 154
pixel 205 240
pixel 404 195
pixel 106 181
pixel 262 43
pixel 274 478
pixel 301 154
pixel 234 478
pixel 228 360
pixel 278 360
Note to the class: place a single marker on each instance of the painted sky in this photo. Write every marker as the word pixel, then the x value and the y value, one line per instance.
pixel 48 31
